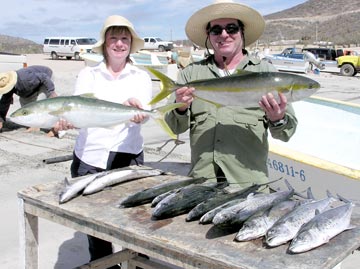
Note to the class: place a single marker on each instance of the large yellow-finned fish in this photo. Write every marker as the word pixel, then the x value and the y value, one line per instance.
pixel 243 89
pixel 84 112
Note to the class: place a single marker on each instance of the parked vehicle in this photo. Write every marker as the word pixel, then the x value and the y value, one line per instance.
pixel 290 59
pixel 298 60
pixel 67 46
pixel 11 61
pixel 325 54
pixel 156 43
pixel 349 65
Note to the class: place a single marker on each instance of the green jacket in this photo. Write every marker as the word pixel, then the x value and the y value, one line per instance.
pixel 230 137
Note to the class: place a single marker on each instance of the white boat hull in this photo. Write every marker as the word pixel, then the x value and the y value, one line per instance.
pixel 323 153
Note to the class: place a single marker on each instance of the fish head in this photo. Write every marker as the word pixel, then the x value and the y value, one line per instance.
pixel 249 230
pixel 222 218
pixel 34 115
pixel 276 235
pixel 304 87
pixel 296 87
pixel 304 241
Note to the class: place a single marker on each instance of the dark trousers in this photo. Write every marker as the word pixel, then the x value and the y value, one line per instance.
pixel 99 248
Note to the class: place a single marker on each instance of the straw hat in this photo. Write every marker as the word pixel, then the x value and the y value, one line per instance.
pixel 7 81
pixel 137 43
pixel 254 23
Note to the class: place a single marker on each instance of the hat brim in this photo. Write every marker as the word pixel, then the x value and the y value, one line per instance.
pixel 137 43
pixel 254 23
pixel 12 79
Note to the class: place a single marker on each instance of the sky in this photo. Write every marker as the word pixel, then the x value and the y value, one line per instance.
pixel 37 19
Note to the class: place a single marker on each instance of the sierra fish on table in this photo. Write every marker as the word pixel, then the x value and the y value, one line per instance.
pixel 115 177
pixel 84 111
pixel 243 89
pixel 320 229
pixel 209 216
pixel 288 225
pixel 185 199
pixel 221 198
pixel 238 213
pixel 147 195
pixel 72 190
pixel 257 225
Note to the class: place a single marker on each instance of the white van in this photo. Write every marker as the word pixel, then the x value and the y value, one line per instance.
pixel 67 46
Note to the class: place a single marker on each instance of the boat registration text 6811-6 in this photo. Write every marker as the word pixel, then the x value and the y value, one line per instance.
pixel 287 170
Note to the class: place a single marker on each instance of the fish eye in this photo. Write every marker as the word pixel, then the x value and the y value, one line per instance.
pixel 25 112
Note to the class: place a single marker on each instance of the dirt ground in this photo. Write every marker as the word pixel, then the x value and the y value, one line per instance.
pixel 22 156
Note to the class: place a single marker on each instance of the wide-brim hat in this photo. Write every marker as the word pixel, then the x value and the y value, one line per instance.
pixel 7 81
pixel 137 43
pixel 254 23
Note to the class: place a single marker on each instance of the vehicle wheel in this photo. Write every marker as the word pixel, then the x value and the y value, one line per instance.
pixel 54 56
pixel 161 48
pixel 77 56
pixel 347 70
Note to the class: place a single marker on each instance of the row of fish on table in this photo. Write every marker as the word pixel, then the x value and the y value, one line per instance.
pixel 278 217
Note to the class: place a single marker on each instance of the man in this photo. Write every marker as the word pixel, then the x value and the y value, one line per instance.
pixel 228 142
pixel 27 83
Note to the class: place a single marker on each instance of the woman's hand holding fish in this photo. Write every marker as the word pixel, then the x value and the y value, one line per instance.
pixel 274 111
pixel 138 118
pixel 184 95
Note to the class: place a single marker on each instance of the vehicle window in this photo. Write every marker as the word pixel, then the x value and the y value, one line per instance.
pixel 54 41
pixel 67 42
pixel 152 40
pixel 146 39
pixel 72 42
pixel 46 41
pixel 86 41
pixel 62 41
pixel 158 39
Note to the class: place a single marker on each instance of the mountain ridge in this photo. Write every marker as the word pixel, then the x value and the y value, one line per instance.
pixel 312 21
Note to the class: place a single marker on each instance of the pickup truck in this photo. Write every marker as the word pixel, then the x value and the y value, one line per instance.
pixel 11 61
pixel 303 60
pixel 349 65
pixel 156 43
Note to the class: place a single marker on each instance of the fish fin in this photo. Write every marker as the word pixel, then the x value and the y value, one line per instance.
pixel 167 86
pixel 250 195
pixel 67 182
pixel 210 102
pixel 160 114
pixel 241 72
pixel 288 185
pixel 59 112
pixel 309 194
pixel 88 95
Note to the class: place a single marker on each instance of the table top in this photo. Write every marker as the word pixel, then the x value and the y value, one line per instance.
pixel 186 244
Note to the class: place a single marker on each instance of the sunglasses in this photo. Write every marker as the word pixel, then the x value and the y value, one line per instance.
pixel 230 28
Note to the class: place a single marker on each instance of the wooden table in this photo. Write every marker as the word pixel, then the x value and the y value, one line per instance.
pixel 185 244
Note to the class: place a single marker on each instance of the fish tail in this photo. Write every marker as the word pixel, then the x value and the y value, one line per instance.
pixel 160 117
pixel 166 86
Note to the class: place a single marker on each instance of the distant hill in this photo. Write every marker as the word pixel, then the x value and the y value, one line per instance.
pixel 315 20
pixel 18 45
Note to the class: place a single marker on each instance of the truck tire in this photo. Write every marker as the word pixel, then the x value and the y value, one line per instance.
pixel 347 70
pixel 54 56
pixel 77 56
pixel 161 48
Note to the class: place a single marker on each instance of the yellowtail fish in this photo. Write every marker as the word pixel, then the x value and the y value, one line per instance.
pixel 243 89
pixel 83 112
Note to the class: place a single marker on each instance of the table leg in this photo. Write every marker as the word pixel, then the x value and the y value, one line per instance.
pixel 29 238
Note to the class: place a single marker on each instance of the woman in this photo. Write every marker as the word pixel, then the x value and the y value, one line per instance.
pixel 116 80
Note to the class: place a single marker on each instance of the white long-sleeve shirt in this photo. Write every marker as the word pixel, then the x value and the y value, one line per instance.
pixel 94 144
